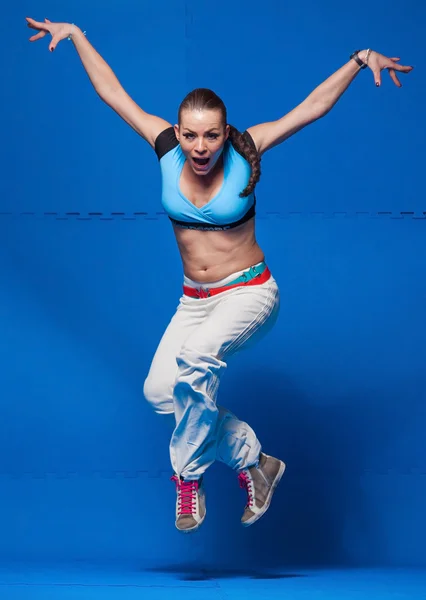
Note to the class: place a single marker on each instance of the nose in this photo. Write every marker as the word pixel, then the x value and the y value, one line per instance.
pixel 199 148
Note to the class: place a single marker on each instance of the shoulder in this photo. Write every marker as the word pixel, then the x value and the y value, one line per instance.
pixel 165 141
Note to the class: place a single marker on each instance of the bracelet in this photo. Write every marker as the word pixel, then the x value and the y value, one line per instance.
pixel 71 32
pixel 357 59
pixel 367 56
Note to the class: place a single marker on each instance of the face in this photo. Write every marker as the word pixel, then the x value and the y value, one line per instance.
pixel 202 135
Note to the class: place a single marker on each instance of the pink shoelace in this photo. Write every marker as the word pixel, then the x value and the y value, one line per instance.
pixel 247 484
pixel 187 493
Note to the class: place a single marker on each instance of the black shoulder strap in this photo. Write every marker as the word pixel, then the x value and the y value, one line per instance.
pixel 165 141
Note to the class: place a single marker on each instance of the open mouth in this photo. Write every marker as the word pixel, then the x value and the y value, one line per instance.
pixel 201 162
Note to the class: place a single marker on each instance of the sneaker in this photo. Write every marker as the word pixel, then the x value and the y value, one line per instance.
pixel 260 483
pixel 190 504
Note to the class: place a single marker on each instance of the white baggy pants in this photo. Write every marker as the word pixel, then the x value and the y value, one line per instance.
pixel 185 373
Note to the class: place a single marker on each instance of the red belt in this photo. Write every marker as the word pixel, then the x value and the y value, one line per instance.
pixel 208 292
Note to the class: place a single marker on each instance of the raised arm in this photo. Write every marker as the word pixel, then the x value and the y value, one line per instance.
pixel 102 77
pixel 323 98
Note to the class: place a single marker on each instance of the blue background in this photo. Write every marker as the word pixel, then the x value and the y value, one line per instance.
pixel 90 276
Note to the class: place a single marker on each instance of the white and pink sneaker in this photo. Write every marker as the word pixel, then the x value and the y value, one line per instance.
pixel 260 483
pixel 190 504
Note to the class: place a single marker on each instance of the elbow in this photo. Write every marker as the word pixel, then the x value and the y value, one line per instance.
pixel 319 110
pixel 317 106
pixel 108 93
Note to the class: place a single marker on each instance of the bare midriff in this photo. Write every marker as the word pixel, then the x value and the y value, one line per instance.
pixel 208 256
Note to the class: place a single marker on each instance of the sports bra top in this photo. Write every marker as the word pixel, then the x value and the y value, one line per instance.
pixel 225 210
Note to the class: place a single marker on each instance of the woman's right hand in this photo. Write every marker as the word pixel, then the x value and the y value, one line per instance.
pixel 58 31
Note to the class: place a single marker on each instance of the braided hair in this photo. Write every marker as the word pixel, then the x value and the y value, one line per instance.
pixel 205 99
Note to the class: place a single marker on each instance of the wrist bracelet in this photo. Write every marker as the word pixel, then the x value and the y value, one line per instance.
pixel 367 56
pixel 71 32
pixel 357 59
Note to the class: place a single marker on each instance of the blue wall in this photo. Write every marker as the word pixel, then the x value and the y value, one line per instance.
pixel 337 389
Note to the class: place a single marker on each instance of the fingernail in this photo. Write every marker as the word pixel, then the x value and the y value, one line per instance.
pixel 377 84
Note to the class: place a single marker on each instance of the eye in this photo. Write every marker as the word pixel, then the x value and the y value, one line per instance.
pixel 188 136
pixel 213 136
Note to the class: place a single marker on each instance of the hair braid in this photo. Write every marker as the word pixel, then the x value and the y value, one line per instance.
pixel 244 145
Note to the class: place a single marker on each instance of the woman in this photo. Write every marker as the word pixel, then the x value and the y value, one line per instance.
pixel 209 172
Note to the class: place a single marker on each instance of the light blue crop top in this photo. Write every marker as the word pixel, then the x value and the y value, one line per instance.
pixel 226 210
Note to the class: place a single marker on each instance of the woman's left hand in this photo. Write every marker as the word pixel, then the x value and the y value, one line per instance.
pixel 377 62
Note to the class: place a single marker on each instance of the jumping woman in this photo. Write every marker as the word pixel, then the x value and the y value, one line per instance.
pixel 230 298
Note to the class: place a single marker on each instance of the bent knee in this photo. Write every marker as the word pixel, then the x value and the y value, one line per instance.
pixel 159 395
